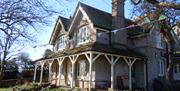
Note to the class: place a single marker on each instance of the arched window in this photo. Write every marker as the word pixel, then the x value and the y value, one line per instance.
pixel 62 41
pixel 83 35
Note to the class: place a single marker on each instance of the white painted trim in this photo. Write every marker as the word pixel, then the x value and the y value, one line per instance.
pixel 101 29
pixel 94 59
pixel 80 9
pixel 35 71
pixel 41 75
pixel 108 59
pixel 112 61
pixel 130 64
pixel 73 59
pixel 116 60
pixel 94 52
pixel 58 22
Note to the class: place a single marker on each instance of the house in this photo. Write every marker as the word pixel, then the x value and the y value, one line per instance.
pixel 96 49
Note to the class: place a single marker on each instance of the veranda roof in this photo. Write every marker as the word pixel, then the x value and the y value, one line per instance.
pixel 97 48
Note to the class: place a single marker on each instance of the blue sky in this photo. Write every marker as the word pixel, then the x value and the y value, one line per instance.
pixel 69 7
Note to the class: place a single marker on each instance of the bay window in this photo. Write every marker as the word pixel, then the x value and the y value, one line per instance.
pixel 83 35
pixel 62 41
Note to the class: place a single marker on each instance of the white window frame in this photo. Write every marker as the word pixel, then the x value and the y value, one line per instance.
pixel 158 40
pixel 81 68
pixel 83 35
pixel 62 42
pixel 177 73
pixel 161 67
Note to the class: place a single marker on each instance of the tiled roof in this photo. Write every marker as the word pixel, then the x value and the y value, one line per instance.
pixel 98 48
pixel 98 17
pixel 103 19
pixel 65 22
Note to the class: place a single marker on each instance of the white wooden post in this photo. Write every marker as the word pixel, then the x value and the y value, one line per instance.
pixel 35 71
pixel 59 79
pixel 130 64
pixel 73 60
pixel 72 82
pixel 50 71
pixel 41 76
pixel 112 76
pixel 130 78
pixel 60 61
pixel 112 62
pixel 91 61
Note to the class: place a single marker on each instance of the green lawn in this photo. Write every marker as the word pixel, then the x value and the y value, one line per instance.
pixel 31 85
pixel 18 86
pixel 5 89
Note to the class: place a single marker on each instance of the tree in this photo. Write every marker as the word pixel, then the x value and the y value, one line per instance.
pixel 23 59
pixel 169 8
pixel 24 62
pixel 19 22
pixel 161 4
pixel 47 52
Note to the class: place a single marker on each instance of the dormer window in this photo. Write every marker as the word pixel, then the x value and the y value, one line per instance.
pixel 62 42
pixel 83 35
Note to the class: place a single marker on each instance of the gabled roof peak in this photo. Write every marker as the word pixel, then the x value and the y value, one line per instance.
pixel 98 17
pixel 85 5
pixel 65 22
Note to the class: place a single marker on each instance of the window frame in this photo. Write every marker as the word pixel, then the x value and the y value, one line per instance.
pixel 83 35
pixel 176 69
pixel 158 40
pixel 81 68
pixel 161 65
pixel 62 42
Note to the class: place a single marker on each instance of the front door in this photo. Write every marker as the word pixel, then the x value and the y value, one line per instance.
pixel 176 72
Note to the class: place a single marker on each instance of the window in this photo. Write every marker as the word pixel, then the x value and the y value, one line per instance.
pixel 82 35
pixel 158 40
pixel 176 68
pixel 81 68
pixel 161 68
pixel 62 41
pixel 176 71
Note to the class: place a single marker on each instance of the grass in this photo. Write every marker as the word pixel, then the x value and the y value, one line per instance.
pixel 6 89
pixel 17 86
pixel 30 85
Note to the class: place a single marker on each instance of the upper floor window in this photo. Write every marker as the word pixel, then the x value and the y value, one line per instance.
pixel 158 40
pixel 83 35
pixel 62 41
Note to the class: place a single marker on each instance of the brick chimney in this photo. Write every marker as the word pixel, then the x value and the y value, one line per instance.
pixel 119 38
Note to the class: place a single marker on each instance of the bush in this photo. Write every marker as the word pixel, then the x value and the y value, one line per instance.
pixel 161 84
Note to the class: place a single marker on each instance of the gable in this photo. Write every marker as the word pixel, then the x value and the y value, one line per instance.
pixel 99 18
pixel 61 24
pixel 79 16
